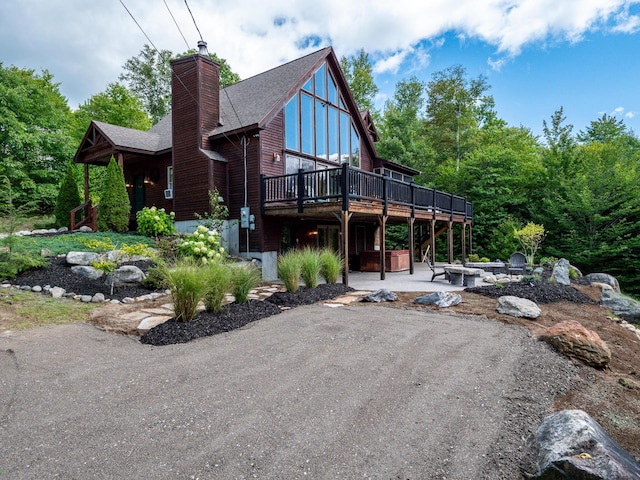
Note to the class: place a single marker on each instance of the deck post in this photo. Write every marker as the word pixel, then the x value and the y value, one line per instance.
pixel 345 185
pixel 411 221
pixel 344 224
pixel 432 240
pixel 464 243
pixel 300 191
pixel 450 242
pixel 383 236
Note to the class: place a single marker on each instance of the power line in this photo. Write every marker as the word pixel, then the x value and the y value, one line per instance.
pixel 176 23
pixel 194 20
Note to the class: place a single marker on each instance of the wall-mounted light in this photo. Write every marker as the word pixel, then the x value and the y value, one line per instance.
pixel 276 157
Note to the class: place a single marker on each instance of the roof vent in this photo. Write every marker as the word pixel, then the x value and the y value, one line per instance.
pixel 202 47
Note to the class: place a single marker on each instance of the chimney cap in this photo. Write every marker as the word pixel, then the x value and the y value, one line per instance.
pixel 202 47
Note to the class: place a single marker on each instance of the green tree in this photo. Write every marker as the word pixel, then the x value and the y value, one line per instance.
pixel 34 135
pixel 68 196
pixel 116 106
pixel 605 129
pixel 358 71
pixel 114 207
pixel 457 106
pixel 149 77
pixel 402 130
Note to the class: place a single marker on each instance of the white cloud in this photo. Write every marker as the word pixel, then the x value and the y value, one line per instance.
pixel 630 114
pixel 85 46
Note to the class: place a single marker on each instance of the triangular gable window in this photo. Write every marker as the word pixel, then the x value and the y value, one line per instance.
pixel 315 125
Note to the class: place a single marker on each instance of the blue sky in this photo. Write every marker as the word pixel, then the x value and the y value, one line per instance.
pixel 537 55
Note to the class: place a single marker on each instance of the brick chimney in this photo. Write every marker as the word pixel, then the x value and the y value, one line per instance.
pixel 195 100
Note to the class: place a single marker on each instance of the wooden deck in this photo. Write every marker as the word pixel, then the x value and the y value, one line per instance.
pixel 345 192
pixel 319 193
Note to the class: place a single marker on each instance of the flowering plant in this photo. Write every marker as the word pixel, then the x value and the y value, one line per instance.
pixel 153 222
pixel 203 244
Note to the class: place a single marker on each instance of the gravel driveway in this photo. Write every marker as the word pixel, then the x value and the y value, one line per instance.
pixel 314 392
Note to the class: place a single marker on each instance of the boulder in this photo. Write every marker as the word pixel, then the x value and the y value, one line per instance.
pixel 560 272
pixel 87 272
pixel 518 307
pixel 604 278
pixel 571 444
pixel 381 295
pixel 602 286
pixel 97 298
pixel 572 339
pixel 125 275
pixel 82 258
pixel 624 307
pixel 85 229
pixel 57 292
pixel 441 299
pixel 62 230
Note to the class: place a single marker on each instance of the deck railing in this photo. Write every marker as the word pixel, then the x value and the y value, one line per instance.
pixel 345 184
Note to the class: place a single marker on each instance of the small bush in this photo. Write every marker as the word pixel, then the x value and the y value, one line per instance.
pixel 289 270
pixel 485 259
pixel 245 278
pixel 68 198
pixel 154 222
pixel 331 265
pixel 310 267
pixel 203 244
pixel 474 258
pixel 188 287
pixel 114 207
pixel 12 265
pixel 573 274
pixel 548 262
pixel 219 276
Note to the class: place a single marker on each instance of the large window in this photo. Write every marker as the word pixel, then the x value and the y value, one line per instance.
pixel 318 124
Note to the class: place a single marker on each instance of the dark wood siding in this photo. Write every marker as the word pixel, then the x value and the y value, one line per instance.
pixel 195 90
pixel 272 141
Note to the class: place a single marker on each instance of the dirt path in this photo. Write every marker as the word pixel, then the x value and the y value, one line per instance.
pixel 314 392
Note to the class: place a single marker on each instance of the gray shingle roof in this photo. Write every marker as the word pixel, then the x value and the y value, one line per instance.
pixel 131 139
pixel 248 102
pixel 242 104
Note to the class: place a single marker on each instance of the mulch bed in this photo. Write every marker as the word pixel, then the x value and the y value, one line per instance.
pixel 536 292
pixel 58 274
pixel 238 315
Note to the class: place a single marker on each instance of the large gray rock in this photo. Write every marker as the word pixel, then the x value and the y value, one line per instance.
pixel 125 275
pixel 604 278
pixel 82 258
pixel 381 295
pixel 624 307
pixel 571 445
pixel 57 292
pixel 87 271
pixel 560 272
pixel 441 299
pixel 518 307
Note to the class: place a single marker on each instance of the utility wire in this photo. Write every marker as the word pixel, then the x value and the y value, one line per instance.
pixel 176 23
pixel 194 20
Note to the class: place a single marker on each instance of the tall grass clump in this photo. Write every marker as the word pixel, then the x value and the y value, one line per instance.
pixel 289 270
pixel 218 275
pixel 310 267
pixel 331 265
pixel 188 287
pixel 245 278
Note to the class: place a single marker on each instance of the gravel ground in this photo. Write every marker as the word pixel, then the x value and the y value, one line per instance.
pixel 313 392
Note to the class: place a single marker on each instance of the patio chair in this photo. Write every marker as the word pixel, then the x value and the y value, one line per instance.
pixel 517 264
pixel 425 259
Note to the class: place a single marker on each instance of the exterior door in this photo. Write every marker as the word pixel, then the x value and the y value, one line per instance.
pixel 138 193
pixel 329 237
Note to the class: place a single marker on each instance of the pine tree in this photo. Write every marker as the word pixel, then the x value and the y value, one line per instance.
pixel 68 197
pixel 114 207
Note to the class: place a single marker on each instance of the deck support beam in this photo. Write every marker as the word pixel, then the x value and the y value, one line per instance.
pixel 382 219
pixel 464 243
pixel 411 222
pixel 344 218
pixel 450 242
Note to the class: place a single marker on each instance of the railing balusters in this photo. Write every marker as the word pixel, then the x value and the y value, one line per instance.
pixel 347 183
